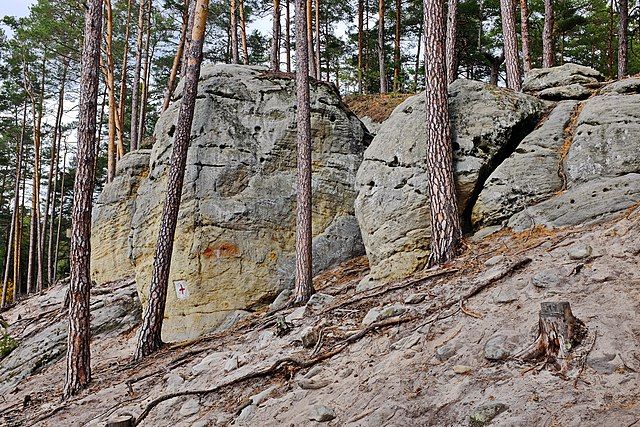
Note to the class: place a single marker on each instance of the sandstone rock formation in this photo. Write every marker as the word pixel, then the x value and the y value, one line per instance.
pixel 235 238
pixel 588 168
pixel 568 81
pixel 530 175
pixel 392 205
pixel 110 233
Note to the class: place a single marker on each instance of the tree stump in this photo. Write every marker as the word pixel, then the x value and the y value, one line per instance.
pixel 121 421
pixel 559 332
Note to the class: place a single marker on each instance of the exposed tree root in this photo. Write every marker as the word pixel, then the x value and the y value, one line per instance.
pixel 291 363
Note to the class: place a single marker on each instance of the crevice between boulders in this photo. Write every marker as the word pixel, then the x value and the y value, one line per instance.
pixel 569 134
pixel 518 133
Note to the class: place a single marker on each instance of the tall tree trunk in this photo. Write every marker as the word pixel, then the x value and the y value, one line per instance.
pixel 187 42
pixel 79 332
pixel 15 216
pixel 317 57
pixel 243 32
pixel 622 37
pixel 235 56
pixel 366 46
pixel 123 77
pixel 37 174
pixel 275 41
pixel 287 35
pixel 137 71
pixel 309 27
pixel 417 70
pixel 509 34
pixel 445 221
pixel 524 31
pixel 59 230
pixel 113 126
pixel 173 76
pixel 547 35
pixel 304 282
pixel 381 55
pixel 53 171
pixel 144 96
pixel 17 274
pixel 150 331
pixel 396 48
pixel 360 43
pixel 452 41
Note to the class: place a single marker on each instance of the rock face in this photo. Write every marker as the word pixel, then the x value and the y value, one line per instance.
pixel 576 168
pixel 110 233
pixel 537 158
pixel 568 81
pixel 234 245
pixel 392 204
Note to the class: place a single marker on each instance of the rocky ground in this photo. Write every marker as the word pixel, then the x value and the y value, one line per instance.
pixel 433 349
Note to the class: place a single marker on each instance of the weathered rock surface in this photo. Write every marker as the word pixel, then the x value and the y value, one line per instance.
pixel 583 204
pixel 624 86
pixel 40 327
pixel 112 214
pixel 235 237
pixel 392 204
pixel 572 91
pixel 607 139
pixel 540 79
pixel 530 175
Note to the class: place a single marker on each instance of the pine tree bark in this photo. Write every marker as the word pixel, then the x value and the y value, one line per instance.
pixel 445 221
pixel 287 31
pixel 123 77
pixel 113 126
pixel 509 34
pixel 524 31
pixel 275 41
pixel 53 172
pixel 623 42
pixel 233 22
pixel 146 76
pixel 417 69
pixel 137 71
pixel 243 34
pixel 396 48
pixel 187 42
pixel 547 35
pixel 317 51
pixel 150 332
pixel 452 41
pixel 59 230
pixel 360 43
pixel 304 282
pixel 175 67
pixel 79 332
pixel 381 54
pixel 309 26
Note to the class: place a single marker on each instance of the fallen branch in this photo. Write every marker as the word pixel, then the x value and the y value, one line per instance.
pixel 393 287
pixel 302 364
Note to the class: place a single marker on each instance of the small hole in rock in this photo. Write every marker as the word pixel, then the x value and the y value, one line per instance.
pixel 172 130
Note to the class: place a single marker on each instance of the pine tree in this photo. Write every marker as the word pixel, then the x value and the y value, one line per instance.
pixel 452 38
pixel 524 32
pixel 78 353
pixel 304 283
pixel 623 42
pixel 512 59
pixel 381 51
pixel 150 332
pixel 547 35
pixel 445 221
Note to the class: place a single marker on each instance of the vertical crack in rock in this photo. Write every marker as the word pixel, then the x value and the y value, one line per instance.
pixel 518 133
pixel 569 133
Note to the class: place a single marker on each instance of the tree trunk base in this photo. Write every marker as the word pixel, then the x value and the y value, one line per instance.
pixel 559 332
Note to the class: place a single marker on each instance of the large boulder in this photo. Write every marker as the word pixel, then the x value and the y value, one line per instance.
pixel 530 175
pixel 607 139
pixel 540 79
pixel 392 206
pixel 111 219
pixel 235 238
pixel 588 170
